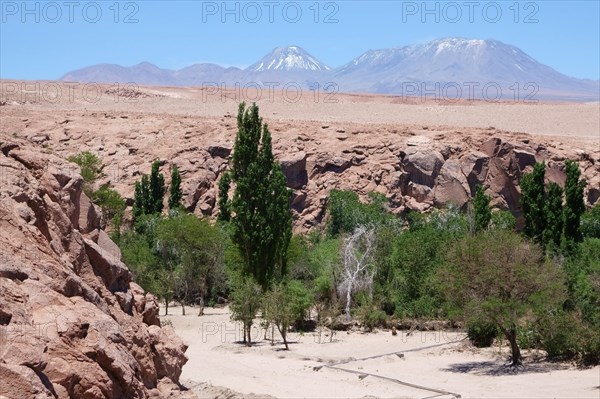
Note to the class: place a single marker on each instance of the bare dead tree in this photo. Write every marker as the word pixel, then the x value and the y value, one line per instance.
pixel 356 274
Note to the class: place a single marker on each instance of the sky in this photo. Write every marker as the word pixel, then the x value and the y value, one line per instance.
pixel 46 39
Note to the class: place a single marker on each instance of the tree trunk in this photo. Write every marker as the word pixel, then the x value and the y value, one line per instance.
pixel 248 327
pixel 201 310
pixel 511 336
pixel 283 332
pixel 166 307
pixel 348 300
pixel 182 308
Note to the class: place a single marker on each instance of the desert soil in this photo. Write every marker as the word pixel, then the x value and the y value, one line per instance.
pixel 49 101
pixel 438 362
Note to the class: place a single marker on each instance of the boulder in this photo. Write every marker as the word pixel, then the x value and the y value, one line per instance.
pixel 326 162
pixel 89 219
pixel 423 168
pixel 451 185
pixel 524 158
pixel 170 349
pixel 114 273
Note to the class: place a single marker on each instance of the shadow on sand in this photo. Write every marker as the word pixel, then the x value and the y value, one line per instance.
pixel 495 368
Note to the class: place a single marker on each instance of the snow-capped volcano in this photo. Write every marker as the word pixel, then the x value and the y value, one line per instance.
pixel 468 67
pixel 458 62
pixel 291 58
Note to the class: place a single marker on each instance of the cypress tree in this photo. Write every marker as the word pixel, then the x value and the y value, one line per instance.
pixel 175 193
pixel 224 185
pixel 533 197
pixel 554 217
pixel 142 204
pixel 481 206
pixel 574 204
pixel 157 189
pixel 149 193
pixel 262 222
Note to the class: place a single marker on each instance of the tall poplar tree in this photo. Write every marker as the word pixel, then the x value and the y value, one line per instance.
pixel 554 217
pixel 260 209
pixel 574 204
pixel 533 198
pixel 175 193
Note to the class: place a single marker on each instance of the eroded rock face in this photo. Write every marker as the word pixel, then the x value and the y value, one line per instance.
pixel 414 167
pixel 72 324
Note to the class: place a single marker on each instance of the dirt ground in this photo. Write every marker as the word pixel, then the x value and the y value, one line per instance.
pixel 573 122
pixel 419 365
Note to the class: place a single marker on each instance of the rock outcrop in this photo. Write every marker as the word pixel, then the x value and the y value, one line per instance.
pixel 417 167
pixel 72 324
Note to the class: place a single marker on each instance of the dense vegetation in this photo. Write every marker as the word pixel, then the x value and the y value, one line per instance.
pixel 539 288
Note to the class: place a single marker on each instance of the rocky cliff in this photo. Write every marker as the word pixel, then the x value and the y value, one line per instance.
pixel 415 167
pixel 72 323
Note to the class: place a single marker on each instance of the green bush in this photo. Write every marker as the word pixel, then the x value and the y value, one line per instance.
pixel 112 205
pixel 90 165
pixel 560 335
pixel 300 299
pixel 528 337
pixel 590 222
pixel 371 316
pixel 503 220
pixel 347 211
pixel 481 333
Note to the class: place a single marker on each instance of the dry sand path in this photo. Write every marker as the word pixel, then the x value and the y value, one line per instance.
pixel 439 361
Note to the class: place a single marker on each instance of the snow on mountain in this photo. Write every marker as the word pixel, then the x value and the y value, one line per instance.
pixel 461 62
pixel 456 61
pixel 291 58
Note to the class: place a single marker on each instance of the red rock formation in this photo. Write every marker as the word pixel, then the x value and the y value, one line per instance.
pixel 72 324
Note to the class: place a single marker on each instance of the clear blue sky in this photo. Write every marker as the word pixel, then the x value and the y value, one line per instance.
pixel 174 34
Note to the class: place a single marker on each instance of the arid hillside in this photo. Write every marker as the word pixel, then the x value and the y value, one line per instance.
pixel 418 153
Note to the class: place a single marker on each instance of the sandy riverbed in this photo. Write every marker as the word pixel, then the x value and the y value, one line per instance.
pixel 438 362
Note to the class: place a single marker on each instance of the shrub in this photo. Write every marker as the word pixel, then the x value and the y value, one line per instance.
pixel 112 205
pixel 371 316
pixel 482 333
pixel 590 222
pixel 503 220
pixel 348 212
pixel 90 165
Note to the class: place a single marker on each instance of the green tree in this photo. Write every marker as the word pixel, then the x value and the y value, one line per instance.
pixel 482 210
pixel 198 253
pixel 574 204
pixel 533 197
pixel 224 204
pixel 503 220
pixel 175 193
pixel 500 278
pixel 149 193
pixel 554 217
pixel 261 217
pixel 141 197
pixel 246 300
pixel 285 304
pixel 157 188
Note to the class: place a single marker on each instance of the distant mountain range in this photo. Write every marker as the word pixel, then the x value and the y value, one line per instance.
pixel 446 68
